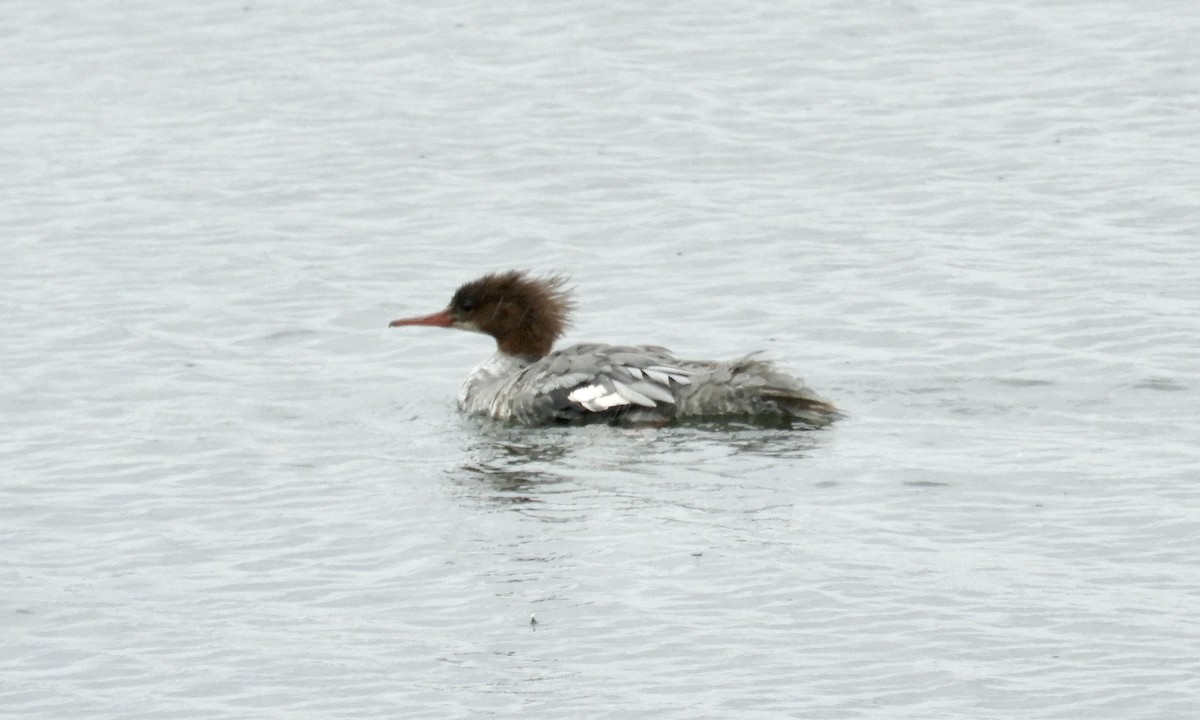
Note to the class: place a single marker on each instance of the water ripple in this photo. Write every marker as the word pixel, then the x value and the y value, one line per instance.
pixel 230 490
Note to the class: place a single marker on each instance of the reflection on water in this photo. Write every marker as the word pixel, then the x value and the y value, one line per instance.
pixel 513 464
pixel 785 444
pixel 518 465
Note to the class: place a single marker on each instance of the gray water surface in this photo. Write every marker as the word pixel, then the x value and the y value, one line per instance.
pixel 229 491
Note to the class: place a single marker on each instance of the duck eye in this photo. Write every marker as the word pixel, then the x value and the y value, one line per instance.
pixel 467 304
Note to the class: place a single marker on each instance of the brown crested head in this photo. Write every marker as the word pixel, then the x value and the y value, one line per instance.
pixel 525 314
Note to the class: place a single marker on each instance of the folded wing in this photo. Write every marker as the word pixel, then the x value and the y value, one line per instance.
pixel 587 383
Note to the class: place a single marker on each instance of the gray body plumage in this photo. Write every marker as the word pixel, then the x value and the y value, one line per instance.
pixel 636 385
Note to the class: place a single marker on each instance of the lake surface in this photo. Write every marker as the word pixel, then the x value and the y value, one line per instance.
pixel 228 490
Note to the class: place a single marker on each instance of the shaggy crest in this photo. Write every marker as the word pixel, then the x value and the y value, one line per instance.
pixel 525 314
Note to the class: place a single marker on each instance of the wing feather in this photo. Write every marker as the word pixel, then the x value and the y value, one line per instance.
pixel 598 381
pixel 632 395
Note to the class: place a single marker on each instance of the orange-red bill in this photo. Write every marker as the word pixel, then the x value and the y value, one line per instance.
pixel 438 319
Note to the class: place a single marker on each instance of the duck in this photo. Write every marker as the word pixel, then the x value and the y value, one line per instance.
pixel 527 382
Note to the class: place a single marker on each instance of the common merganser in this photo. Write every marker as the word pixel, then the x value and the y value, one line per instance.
pixel 525 382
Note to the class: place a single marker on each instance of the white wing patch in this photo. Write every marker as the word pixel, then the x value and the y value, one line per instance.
pixel 646 387
pixel 597 397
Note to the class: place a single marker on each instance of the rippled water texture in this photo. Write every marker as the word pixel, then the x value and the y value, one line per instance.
pixel 229 491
